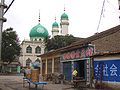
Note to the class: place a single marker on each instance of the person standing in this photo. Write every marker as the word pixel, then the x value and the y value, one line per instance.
pixel 18 70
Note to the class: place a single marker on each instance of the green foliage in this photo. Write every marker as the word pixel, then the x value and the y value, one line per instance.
pixel 59 41
pixel 10 45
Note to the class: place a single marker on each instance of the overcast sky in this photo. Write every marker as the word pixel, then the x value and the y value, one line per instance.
pixel 83 15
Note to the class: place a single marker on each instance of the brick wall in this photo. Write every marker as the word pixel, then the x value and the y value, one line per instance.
pixel 108 43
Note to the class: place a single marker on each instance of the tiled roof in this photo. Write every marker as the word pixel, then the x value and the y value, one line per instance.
pixel 99 35
pixel 88 40
pixel 94 37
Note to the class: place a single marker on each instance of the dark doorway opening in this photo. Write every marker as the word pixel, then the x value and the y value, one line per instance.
pixel 80 67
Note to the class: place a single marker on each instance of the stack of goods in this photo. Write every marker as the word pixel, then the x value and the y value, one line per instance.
pixel 35 75
pixel 28 73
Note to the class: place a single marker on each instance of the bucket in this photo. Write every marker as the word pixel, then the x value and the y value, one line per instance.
pixel 35 75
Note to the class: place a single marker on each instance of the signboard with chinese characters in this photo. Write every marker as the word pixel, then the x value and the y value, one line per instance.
pixel 78 53
pixel 110 70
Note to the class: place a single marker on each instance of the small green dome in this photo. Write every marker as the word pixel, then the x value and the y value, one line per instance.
pixel 38 31
pixel 55 24
pixel 64 16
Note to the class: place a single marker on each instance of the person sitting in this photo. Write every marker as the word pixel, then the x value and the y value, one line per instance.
pixel 75 73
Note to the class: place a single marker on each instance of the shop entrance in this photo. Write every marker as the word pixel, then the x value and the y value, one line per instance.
pixel 80 67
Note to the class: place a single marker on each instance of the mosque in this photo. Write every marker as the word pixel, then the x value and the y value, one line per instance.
pixel 30 49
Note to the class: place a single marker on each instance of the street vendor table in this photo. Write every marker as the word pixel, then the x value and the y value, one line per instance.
pixel 29 81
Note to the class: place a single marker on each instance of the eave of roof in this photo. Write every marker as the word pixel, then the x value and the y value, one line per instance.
pixel 52 52
pixel 85 41
pixel 106 53
pixel 92 38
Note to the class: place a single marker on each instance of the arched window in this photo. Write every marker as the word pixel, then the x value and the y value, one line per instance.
pixel 37 60
pixel 40 39
pixel 29 49
pixel 28 61
pixel 35 39
pixel 37 49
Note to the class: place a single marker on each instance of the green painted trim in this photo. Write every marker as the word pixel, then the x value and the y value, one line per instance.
pixel 74 60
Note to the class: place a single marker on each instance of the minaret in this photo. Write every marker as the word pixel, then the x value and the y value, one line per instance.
pixel 64 23
pixel 55 28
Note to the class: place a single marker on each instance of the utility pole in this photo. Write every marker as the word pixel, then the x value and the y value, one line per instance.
pixel 119 4
pixel 2 19
pixel 119 7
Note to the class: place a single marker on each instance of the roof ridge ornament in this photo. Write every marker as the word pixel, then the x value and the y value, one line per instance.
pixel 55 18
pixel 64 7
pixel 39 17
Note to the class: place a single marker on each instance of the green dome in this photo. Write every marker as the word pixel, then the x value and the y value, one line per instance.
pixel 55 24
pixel 38 31
pixel 64 16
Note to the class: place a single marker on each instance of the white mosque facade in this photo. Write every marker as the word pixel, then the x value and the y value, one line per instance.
pixel 35 46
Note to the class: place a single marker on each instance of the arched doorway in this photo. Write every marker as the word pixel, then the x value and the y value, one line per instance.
pixel 28 61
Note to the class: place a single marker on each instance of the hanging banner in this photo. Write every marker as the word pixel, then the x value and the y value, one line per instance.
pixel 78 53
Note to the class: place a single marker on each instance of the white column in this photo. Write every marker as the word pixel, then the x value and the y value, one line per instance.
pixel 41 67
pixel 46 67
pixel 52 65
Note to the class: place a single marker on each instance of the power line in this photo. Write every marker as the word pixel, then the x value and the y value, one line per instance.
pixel 9 6
pixel 101 15
pixel 116 10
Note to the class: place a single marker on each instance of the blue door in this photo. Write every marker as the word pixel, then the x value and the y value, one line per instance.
pixel 67 70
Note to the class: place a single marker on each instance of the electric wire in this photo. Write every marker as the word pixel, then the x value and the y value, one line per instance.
pixel 101 15
pixel 116 10
pixel 9 6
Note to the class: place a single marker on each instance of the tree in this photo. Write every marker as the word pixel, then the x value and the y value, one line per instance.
pixel 59 41
pixel 10 45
